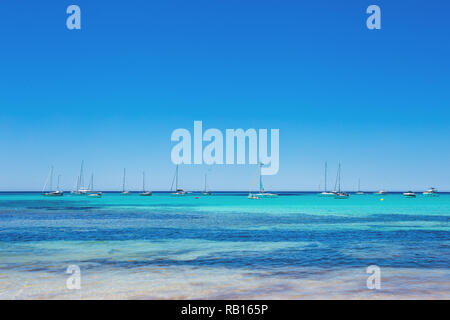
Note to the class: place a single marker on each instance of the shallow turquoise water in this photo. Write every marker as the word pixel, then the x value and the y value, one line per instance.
pixel 219 239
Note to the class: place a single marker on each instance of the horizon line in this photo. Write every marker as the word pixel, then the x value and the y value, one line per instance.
pixel 225 191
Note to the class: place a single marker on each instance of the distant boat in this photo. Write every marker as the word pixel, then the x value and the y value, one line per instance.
pixel 80 188
pixel 205 190
pixel 178 191
pixel 93 194
pixel 409 194
pixel 432 192
pixel 124 191
pixel 262 193
pixel 250 194
pixel 381 192
pixel 359 187
pixel 340 194
pixel 55 193
pixel 144 193
pixel 326 193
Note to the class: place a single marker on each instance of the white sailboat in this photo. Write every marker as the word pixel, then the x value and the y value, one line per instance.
pixel 205 190
pixel 144 193
pixel 80 188
pixel 340 194
pixel 326 193
pixel 52 193
pixel 359 187
pixel 93 194
pixel 262 193
pixel 381 192
pixel 124 191
pixel 178 191
pixel 250 194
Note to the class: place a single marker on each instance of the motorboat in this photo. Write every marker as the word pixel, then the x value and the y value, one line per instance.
pixel 409 194
pixel 94 195
pixel 431 193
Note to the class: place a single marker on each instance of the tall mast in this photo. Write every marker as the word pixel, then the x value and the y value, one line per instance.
pixel 339 179
pixel 46 181
pixel 51 179
pixel 123 182
pixel 261 188
pixel 205 183
pixel 325 176
pixel 82 175
pixel 77 184
pixel 176 178
pixel 57 187
pixel 143 181
pixel 92 182
pixel 359 185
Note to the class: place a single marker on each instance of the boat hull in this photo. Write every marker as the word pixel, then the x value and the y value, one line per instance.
pixel 327 194
pixel 342 195
pixel 266 195
pixel 54 194
pixel 94 195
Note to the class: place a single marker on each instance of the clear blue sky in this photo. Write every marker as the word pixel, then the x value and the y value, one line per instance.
pixel 112 93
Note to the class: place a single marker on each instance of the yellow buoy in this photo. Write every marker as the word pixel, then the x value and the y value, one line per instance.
pixel 381 199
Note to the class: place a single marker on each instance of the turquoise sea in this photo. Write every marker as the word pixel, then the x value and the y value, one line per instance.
pixel 224 246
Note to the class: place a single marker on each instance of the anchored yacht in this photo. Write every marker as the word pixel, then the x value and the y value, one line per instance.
pixel 80 189
pixel 144 193
pixel 125 192
pixel 93 194
pixel 432 192
pixel 55 193
pixel 178 191
pixel 409 194
pixel 326 193
pixel 262 193
pixel 359 188
pixel 340 194
pixel 206 192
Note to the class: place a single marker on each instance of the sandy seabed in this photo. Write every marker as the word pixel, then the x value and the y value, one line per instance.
pixel 223 283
